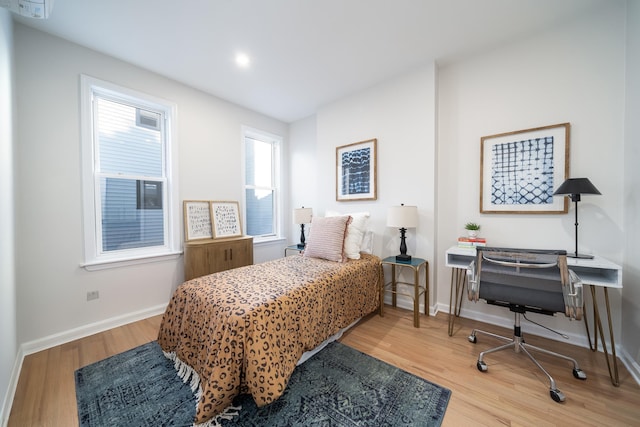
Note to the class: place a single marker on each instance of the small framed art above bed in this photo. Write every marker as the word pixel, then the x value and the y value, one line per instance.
pixel 356 171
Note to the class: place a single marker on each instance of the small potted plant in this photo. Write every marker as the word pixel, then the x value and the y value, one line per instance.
pixel 472 229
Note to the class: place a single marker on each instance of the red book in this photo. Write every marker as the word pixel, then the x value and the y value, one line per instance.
pixel 472 239
pixel 471 242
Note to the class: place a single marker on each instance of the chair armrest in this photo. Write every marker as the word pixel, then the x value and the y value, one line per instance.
pixel 473 287
pixel 573 297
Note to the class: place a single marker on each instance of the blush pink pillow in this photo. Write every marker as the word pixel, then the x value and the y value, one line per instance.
pixel 326 238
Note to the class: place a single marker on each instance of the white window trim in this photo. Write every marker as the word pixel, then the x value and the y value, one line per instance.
pixel 93 260
pixel 262 136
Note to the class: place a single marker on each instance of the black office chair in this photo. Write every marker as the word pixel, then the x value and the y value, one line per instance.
pixel 524 280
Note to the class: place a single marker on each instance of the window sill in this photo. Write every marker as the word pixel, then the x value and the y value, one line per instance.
pixel 269 241
pixel 123 262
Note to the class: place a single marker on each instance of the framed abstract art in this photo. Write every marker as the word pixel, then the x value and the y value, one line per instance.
pixel 197 220
pixel 356 171
pixel 226 219
pixel 519 171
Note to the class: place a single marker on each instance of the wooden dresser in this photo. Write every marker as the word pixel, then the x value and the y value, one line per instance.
pixel 202 257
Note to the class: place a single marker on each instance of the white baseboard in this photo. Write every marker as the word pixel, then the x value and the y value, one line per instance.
pixel 11 391
pixel 90 329
pixel 632 366
pixel 62 338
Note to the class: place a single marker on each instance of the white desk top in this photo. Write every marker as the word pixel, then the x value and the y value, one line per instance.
pixel 597 271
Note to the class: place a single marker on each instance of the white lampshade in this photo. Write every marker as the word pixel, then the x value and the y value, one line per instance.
pixel 302 215
pixel 402 216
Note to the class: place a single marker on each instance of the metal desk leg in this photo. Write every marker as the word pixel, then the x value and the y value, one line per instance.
pixel 381 285
pixel 458 281
pixel 416 297
pixel 597 325
pixel 394 298
pixel 592 345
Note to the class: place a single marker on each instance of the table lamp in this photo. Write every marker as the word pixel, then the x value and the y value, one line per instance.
pixel 302 216
pixel 402 217
pixel 574 187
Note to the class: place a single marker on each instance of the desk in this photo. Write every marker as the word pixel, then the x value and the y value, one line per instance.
pixel 416 264
pixel 596 273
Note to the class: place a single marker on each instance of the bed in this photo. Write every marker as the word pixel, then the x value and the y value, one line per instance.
pixel 244 330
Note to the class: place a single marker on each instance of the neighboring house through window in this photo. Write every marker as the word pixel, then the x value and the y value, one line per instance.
pixel 262 184
pixel 129 167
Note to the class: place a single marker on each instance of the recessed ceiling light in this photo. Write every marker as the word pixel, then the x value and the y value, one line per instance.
pixel 242 59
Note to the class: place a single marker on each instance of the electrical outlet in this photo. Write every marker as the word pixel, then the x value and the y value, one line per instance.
pixel 91 295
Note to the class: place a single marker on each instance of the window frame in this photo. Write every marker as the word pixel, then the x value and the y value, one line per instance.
pixel 276 153
pixel 94 257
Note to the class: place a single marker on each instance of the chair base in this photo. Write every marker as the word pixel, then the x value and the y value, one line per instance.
pixel 518 345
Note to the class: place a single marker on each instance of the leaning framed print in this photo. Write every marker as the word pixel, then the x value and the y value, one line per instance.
pixel 519 171
pixel 226 219
pixel 197 220
pixel 356 171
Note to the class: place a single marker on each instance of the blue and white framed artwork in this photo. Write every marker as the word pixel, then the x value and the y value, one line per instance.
pixel 519 171
pixel 356 171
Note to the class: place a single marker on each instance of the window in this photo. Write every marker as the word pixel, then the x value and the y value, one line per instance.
pixel 262 182
pixel 127 175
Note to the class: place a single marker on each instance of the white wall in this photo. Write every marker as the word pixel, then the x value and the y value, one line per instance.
pixel 8 349
pixel 400 114
pixel 570 73
pixel 52 286
pixel 631 292
pixel 303 169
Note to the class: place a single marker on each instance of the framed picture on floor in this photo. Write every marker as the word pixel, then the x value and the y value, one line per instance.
pixel 356 171
pixel 519 171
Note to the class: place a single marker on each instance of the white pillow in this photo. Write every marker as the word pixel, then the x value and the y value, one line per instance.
pixel 355 232
pixel 326 238
pixel 367 243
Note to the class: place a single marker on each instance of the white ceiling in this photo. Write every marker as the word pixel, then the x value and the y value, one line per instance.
pixel 304 53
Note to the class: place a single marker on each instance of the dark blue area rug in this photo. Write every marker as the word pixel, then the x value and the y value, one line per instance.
pixel 339 386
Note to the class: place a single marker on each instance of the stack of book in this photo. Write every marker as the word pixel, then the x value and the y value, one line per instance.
pixel 471 242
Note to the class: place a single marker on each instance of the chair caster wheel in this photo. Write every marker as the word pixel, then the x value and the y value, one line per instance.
pixel 557 395
pixel 579 374
pixel 482 367
pixel 472 339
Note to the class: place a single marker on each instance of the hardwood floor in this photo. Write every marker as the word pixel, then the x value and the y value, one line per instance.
pixel 46 392
pixel 512 393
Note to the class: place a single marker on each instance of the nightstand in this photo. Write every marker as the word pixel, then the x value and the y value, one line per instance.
pixel 294 248
pixel 416 265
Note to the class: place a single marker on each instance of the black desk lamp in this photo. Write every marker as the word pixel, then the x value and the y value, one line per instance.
pixel 302 216
pixel 574 187
pixel 403 217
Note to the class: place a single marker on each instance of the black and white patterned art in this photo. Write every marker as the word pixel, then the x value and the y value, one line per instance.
pixel 522 172
pixel 519 170
pixel 356 167
pixel 356 171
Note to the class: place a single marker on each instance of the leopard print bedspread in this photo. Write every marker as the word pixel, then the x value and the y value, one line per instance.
pixel 243 330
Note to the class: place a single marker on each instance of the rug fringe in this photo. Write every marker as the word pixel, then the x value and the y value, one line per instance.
pixel 188 374
pixel 185 372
